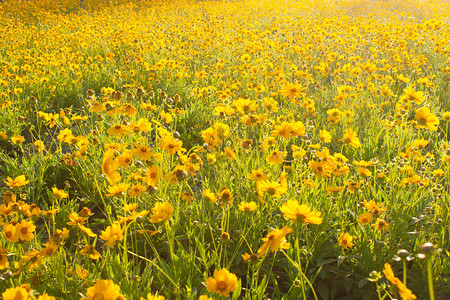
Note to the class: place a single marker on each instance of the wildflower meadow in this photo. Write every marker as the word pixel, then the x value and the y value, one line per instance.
pixel 251 149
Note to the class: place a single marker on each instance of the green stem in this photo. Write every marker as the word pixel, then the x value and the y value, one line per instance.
pixel 430 278
pixel 404 272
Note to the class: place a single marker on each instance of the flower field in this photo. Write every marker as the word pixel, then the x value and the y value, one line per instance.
pixel 224 149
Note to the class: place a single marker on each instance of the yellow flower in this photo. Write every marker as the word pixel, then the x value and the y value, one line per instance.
pixel 39 145
pixel 225 196
pixel 92 253
pixel 61 194
pixel 425 119
pixel 17 182
pixel 351 138
pixel 248 206
pixel 258 175
pixel 272 188
pixel 117 189
pixel 25 231
pixel 274 240
pixel 136 190
pixel 322 168
pixel 346 241
pixel 17 293
pixel 118 130
pixel 18 139
pixel 334 115
pixel 150 296
pixel 325 136
pixel 276 157
pixel 300 213
pixel 4 263
pixel 103 289
pixel 380 225
pixel 403 291
pixel 209 196
pixel 161 212
pixel 292 90
pixel 9 231
pixel 109 167
pixel 365 218
pixel 222 283
pixel 112 234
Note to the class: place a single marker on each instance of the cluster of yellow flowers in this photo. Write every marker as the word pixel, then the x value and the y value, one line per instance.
pixel 156 125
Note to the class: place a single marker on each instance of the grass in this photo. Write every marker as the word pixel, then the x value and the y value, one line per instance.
pixel 213 88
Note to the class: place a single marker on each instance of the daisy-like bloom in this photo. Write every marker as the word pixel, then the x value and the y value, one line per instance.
pixel 16 293
pixel 322 168
pixel 325 136
pixel 61 194
pixel 380 224
pixel 425 119
pixel 270 104
pixel 110 166
pixel 365 218
pixel 272 188
pixel 300 213
pixel 112 234
pixel 91 252
pixel 136 190
pixel 142 151
pixel 117 189
pixel 248 206
pixel 118 130
pixel 161 212
pixel 209 196
pixel 335 189
pixel 177 175
pixel 225 196
pixel 374 208
pixel 4 263
pixel 276 157
pixel 18 139
pixel 292 90
pixel 222 283
pixel 9 231
pixel 103 289
pixel 446 116
pixel 351 138
pixel 65 136
pixel 258 175
pixel 17 182
pixel 49 249
pixel 438 173
pixel 25 231
pixel 403 291
pixel 410 95
pixel 245 106
pixel 39 145
pixel 334 115
pixel 346 241
pixel 211 138
pixel 125 159
pixel 170 144
pixel 275 240
pixel 283 130
pixel 150 296
pixel 152 176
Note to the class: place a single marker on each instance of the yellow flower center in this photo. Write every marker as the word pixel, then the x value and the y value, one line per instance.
pixel 221 286
pixel 99 296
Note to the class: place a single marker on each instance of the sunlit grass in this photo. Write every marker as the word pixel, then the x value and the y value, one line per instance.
pixel 247 149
